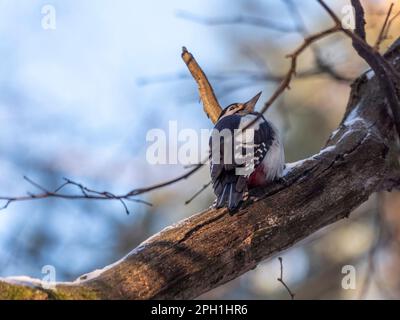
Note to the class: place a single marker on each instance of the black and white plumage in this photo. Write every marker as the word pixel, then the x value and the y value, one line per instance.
pixel 246 162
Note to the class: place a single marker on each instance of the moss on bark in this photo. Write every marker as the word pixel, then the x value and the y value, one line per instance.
pixel 9 291
pixel 15 291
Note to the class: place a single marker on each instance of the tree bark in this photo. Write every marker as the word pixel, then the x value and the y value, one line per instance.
pixel 213 247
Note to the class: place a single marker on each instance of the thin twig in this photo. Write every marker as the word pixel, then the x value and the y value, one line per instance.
pixel 86 193
pixel 382 33
pixel 91 194
pixel 386 36
pixel 292 69
pixel 378 223
pixel 321 68
pixel 184 176
pixel 321 64
pixel 241 19
pixel 9 201
pixel 382 238
pixel 280 279
pixel 204 187
pixel 36 184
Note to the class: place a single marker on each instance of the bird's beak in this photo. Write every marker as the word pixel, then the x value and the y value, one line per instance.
pixel 249 105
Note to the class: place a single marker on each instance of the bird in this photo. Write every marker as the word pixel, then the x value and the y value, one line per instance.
pixel 245 152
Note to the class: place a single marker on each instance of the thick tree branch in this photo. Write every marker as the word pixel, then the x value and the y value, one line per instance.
pixel 206 92
pixel 213 247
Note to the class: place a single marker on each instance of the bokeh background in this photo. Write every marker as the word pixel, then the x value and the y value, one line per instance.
pixel 78 101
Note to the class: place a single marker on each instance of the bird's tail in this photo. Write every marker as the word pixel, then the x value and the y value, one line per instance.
pixel 230 196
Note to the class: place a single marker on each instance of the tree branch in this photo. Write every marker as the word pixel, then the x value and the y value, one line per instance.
pixel 207 96
pixel 280 279
pixel 389 78
pixel 84 193
pixel 213 247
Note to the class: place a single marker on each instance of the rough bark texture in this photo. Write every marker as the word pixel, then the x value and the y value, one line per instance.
pixel 212 247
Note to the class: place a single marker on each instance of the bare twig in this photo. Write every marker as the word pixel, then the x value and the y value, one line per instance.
pixel 241 19
pixel 9 201
pixel 204 187
pixel 321 67
pixel 186 175
pixel 383 69
pixel 284 84
pixel 212 109
pixel 36 184
pixel 382 238
pixel 292 69
pixel 383 33
pixel 280 279
pixel 386 35
pixel 321 64
pixel 90 194
pixel 85 193
pixel 251 77
pixel 371 254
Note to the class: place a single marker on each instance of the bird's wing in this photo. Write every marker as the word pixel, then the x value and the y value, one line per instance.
pixel 228 185
pixel 221 136
pixel 264 135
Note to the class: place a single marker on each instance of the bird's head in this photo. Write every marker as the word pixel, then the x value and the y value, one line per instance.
pixel 240 108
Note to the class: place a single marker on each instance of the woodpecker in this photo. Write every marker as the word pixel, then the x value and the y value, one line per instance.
pixel 239 163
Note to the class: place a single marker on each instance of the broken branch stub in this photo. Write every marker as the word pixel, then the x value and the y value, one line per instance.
pixel 206 92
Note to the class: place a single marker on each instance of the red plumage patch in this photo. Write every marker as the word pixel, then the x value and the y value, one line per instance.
pixel 257 178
